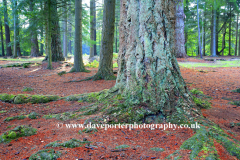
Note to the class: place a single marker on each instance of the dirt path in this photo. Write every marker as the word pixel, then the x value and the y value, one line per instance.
pixel 214 82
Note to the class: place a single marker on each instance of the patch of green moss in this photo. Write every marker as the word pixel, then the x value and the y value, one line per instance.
pixel 33 115
pixel 62 73
pixel 237 103
pixel 46 154
pixel 201 103
pixel 15 117
pixel 157 149
pixel 25 98
pixel 19 131
pixel 88 130
pixel 73 143
pixel 2 111
pixel 4 97
pixel 236 90
pixel 122 146
pixel 26 89
pixel 61 116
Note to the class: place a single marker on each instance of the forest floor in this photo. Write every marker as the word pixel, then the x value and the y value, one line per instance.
pixel 215 81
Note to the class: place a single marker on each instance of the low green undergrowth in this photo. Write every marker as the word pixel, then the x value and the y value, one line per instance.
pixel 46 154
pixel 73 143
pixel 19 131
pixel 15 117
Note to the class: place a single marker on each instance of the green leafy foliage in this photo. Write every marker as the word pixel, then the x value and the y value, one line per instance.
pixel 15 117
pixel 46 154
pixel 73 143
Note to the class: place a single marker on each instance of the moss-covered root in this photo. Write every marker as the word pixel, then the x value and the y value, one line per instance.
pixel 203 140
pixel 46 154
pixel 73 143
pixel 26 98
pixel 19 131
pixel 106 75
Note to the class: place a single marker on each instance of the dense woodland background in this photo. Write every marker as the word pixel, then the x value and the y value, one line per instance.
pixel 24 22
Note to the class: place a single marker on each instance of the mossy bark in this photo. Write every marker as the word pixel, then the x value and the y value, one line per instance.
pixel 148 70
pixel 7 30
pixel 93 28
pixel 105 70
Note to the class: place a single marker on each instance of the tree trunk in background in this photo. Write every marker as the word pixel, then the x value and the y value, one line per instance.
pixel 65 41
pixel 214 31
pixel 199 34
pixel 230 23
pixel 49 30
pixel 18 32
pixel 78 61
pixel 15 29
pixel 7 30
pixel 33 27
pixel 236 44
pixel 3 54
pixel 149 76
pixel 93 27
pixel 116 38
pixel 204 30
pixel 56 49
pixel 105 69
pixel 179 31
pixel 70 30
pixel 223 40
pixel 239 44
pixel 41 34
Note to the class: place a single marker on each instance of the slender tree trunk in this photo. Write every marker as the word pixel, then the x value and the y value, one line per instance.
pixel 7 30
pixel 223 41
pixel 149 76
pixel 236 44
pixel 70 30
pixel 179 31
pixel 239 44
pixel 56 48
pixel 15 29
pixel 116 39
pixel 214 31
pixel 41 34
pixel 18 32
pixel 199 34
pixel 3 53
pixel 65 41
pixel 93 49
pixel 33 27
pixel 230 32
pixel 78 61
pixel 49 30
pixel 105 69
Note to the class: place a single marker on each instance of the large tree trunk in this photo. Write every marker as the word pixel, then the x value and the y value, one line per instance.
pixel 56 49
pixel 230 31
pixel 93 27
pixel 70 30
pixel 41 33
pixel 3 54
pixel 48 32
pixel 34 39
pixel 105 69
pixel 14 3
pixel 149 76
pixel 216 31
pixel 7 30
pixel 78 61
pixel 179 31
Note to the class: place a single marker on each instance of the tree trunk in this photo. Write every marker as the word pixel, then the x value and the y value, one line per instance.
pixel 7 30
pixel 223 41
pixel 105 69
pixel 78 61
pixel 93 28
pixel 214 31
pixel 3 53
pixel 65 41
pixel 33 27
pixel 15 29
pixel 116 39
pixel 49 30
pixel 204 31
pixel 179 31
pixel 199 34
pixel 70 30
pixel 230 28
pixel 236 44
pixel 41 34
pixel 56 49
pixel 149 76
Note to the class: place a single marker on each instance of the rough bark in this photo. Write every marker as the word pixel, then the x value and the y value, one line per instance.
pixel 70 30
pixel 15 29
pixel 33 27
pixel 179 31
pixel 3 53
pixel 149 75
pixel 105 69
pixel 93 27
pixel 7 30
pixel 56 49
pixel 217 24
pixel 78 61
pixel 230 31
pixel 41 32
pixel 49 29
pixel 223 41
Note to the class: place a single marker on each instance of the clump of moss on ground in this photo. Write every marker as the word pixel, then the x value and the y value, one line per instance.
pixel 88 130
pixel 46 154
pixel 24 98
pixel 122 146
pixel 237 103
pixel 15 117
pixel 33 115
pixel 61 116
pixel 19 131
pixel 73 143
pixel 236 90
pixel 62 73
pixel 4 97
pixel 27 89
pixel 200 99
